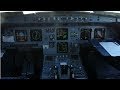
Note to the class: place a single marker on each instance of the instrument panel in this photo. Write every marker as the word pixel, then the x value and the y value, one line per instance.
pixel 58 34
pixel 60 37
pixel 55 40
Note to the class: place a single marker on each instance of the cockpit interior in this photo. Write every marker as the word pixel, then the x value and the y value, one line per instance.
pixel 60 45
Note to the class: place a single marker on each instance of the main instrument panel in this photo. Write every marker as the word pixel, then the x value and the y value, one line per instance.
pixel 54 37
pixel 59 37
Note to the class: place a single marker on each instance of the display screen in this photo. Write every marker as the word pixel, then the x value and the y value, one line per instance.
pixel 62 47
pixel 7 36
pixel 62 34
pixel 36 35
pixel 99 33
pixel 51 44
pixel 7 33
pixel 85 34
pixel 21 35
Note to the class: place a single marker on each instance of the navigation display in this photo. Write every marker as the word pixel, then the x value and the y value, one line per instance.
pixel 36 35
pixel 62 47
pixel 85 34
pixel 62 34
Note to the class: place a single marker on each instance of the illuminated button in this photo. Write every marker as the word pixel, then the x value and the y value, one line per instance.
pixel 51 37
pixel 84 18
pixel 72 18
pixel 58 18
pixel 79 18
pixel 55 66
pixel 80 67
pixel 67 18
pixel 71 65
pixel 54 18
pixel 50 68
pixel 43 18
pixel 48 18
pixel 75 19
pixel 76 45
pixel 39 18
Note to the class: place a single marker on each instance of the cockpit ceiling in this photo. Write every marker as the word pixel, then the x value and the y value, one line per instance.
pixel 105 13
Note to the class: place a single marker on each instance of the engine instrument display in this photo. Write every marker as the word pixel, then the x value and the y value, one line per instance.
pixel 21 35
pixel 62 34
pixel 85 34
pixel 99 33
pixel 36 35
pixel 62 47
